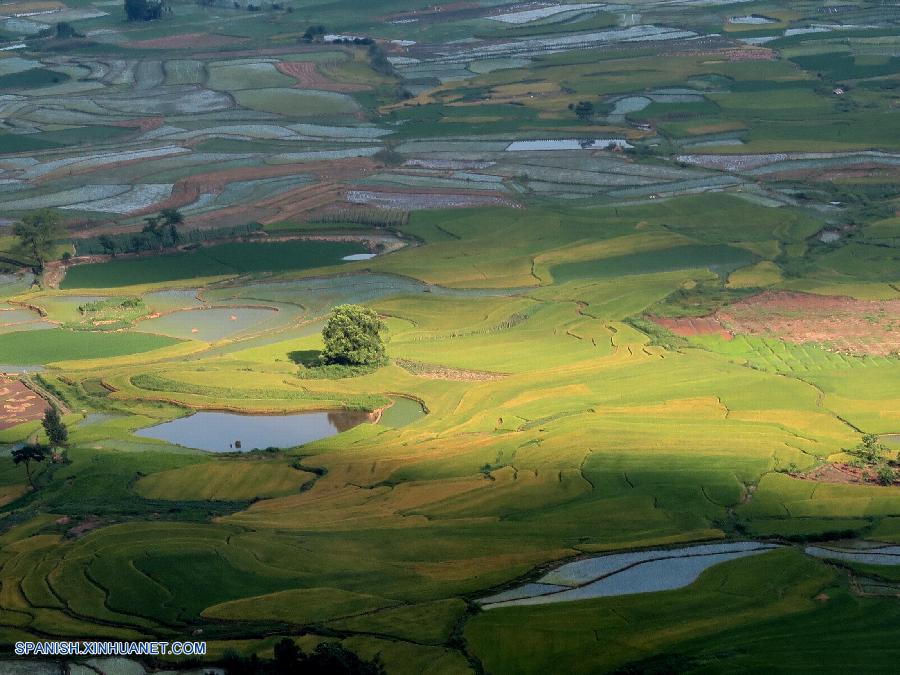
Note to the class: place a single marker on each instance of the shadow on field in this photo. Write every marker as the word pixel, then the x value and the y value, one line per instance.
pixel 306 357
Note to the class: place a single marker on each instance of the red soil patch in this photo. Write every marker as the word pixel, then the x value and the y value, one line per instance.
pixel 142 124
pixel 690 326
pixel 841 474
pixel 308 77
pixel 188 41
pixel 841 323
pixel 19 404
pixel 733 53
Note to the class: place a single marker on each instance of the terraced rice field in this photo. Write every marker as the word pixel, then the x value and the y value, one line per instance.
pixel 637 267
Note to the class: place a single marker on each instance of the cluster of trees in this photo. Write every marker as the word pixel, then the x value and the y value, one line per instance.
pixel 38 233
pixel 65 31
pixel 61 31
pixel 872 454
pixel 159 232
pixel 314 34
pixel 144 10
pixel 57 436
pixel 328 658
pixel 123 242
pixel 379 61
pixel 162 228
pixel 584 110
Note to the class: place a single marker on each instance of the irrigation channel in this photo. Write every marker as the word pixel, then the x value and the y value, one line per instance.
pixel 660 570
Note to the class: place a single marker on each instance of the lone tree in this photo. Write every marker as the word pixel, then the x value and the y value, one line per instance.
pixel 584 110
pixel 163 227
pixel 352 337
pixel 328 657
pixel 37 233
pixel 28 454
pixel 143 10
pixel 56 430
pixel 314 34
pixel 870 450
pixel 171 219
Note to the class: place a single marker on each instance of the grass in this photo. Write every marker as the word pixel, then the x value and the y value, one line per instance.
pixel 34 78
pixel 719 258
pixel 297 104
pixel 208 261
pixel 297 606
pixel 429 623
pixel 39 347
pixel 728 597
pixel 224 481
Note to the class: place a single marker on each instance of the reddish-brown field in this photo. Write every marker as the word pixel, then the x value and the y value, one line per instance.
pixel 142 124
pixel 841 323
pixel 733 53
pixel 308 77
pixel 19 404
pixel 841 474
pixel 690 326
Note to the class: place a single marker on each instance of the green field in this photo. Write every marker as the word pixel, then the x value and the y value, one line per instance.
pixel 37 347
pixel 209 261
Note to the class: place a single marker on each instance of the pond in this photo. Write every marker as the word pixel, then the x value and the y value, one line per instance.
pixel 625 574
pixel 231 432
pixel 626 105
pixel 402 412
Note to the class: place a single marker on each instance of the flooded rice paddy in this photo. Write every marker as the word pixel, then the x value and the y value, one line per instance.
pixel 878 555
pixel 625 574
pixel 209 324
pixel 662 570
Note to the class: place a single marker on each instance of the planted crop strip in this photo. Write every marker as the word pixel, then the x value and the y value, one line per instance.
pixel 157 383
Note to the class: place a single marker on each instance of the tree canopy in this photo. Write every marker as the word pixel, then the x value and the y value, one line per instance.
pixel 37 233
pixel 352 337
pixel 28 454
pixel 57 432
pixel 143 10
pixel 584 110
